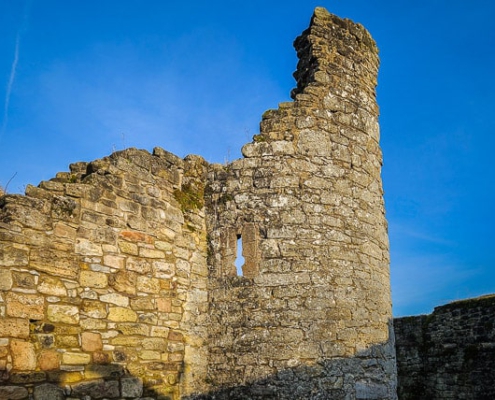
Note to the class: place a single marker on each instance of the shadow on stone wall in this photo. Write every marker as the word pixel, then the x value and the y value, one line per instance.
pixel 448 354
pixel 329 379
pixel 333 379
pixel 110 381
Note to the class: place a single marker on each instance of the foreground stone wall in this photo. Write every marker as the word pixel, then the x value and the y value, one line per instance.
pixel 448 354
pixel 309 316
pixel 103 280
pixel 118 278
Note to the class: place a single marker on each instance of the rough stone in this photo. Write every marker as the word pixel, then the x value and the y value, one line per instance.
pixel 49 360
pixel 97 389
pixel 93 279
pixel 91 341
pixel 13 393
pixel 48 391
pixel 14 327
pixel 132 387
pixel 23 355
pixel 121 314
pixel 115 298
pixel 23 305
pixel 63 313
pixel 75 358
pixel 51 286
pixel 6 280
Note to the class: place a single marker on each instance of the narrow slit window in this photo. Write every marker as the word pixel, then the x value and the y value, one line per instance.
pixel 239 260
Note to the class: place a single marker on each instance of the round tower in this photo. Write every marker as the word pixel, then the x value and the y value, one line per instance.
pixel 309 315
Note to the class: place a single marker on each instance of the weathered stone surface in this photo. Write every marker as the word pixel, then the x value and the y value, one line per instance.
pixel 75 358
pixel 48 391
pixel 448 354
pixel 23 355
pixel 24 305
pixel 6 280
pixel 93 279
pixel 14 327
pixel 63 313
pixel 13 255
pixel 121 314
pixel 97 389
pixel 51 286
pixel 115 298
pixel 13 393
pixel 49 360
pixel 91 341
pixel 87 248
pixel 132 387
pixel 147 285
pixel 94 309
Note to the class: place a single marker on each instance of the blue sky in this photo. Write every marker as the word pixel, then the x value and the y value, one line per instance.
pixel 79 79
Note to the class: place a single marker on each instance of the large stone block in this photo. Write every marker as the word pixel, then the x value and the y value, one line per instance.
pixel 151 253
pixel 48 391
pixel 97 389
pixel 51 286
pixel 117 262
pixel 124 282
pixel 14 327
pixel 63 313
pixel 54 263
pixel 13 393
pixel 93 279
pixel 49 360
pixel 6 280
pixel 24 305
pixel 94 309
pixel 23 355
pixel 85 247
pixel 121 314
pixel 131 387
pixel 115 298
pixel 71 358
pixel 13 255
pixel 91 341
pixel 148 285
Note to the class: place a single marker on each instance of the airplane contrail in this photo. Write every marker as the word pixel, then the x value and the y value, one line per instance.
pixel 13 69
pixel 10 83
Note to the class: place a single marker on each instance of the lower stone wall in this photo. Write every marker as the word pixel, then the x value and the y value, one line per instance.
pixel 449 354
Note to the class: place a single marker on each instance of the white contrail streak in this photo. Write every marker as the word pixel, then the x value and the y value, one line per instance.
pixel 10 83
pixel 13 69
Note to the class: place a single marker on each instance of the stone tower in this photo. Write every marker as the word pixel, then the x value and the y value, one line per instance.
pixel 309 315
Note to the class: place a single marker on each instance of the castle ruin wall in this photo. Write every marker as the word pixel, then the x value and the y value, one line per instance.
pixel 118 279
pixel 448 354
pixel 103 281
pixel 314 296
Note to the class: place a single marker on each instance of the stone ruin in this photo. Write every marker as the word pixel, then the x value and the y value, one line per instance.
pixel 118 279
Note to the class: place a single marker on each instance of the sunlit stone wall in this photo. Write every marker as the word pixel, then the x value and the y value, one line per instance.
pixel 118 279
pixel 310 313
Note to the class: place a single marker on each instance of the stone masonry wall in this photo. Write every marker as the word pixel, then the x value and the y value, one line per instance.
pixel 310 315
pixel 103 281
pixel 118 278
pixel 448 354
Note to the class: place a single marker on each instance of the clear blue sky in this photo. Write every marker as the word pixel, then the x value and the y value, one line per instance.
pixel 79 79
